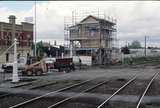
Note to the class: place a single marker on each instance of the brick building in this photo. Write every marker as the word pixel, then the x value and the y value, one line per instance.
pixel 24 34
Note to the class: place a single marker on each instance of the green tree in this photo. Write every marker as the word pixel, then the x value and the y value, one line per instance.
pixel 135 44
pixel 39 48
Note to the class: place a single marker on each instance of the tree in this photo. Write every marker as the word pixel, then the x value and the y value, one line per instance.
pixel 39 48
pixel 135 44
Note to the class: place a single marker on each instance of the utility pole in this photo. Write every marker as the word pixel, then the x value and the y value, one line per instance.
pixel 35 32
pixel 49 48
pixel 71 42
pixel 100 47
pixel 15 77
pixel 71 49
pixel 145 51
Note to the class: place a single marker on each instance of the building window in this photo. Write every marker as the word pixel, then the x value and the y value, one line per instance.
pixel 18 40
pixel 7 57
pixel 28 38
pixel 8 41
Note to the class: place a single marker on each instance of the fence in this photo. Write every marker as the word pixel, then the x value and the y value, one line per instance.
pixel 139 54
pixel 2 75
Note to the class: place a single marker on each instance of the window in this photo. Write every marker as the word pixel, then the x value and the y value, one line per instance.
pixel 7 57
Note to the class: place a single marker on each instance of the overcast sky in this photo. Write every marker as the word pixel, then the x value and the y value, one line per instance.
pixel 135 19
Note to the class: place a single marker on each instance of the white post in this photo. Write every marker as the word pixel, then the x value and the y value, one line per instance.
pixel 62 55
pixel 35 32
pixel 15 77
pixel 49 51
pixel 71 49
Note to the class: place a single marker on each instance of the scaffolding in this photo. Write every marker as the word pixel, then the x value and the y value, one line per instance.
pixel 85 40
pixel 78 15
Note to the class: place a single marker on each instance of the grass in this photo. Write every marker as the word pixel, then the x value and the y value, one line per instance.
pixel 142 60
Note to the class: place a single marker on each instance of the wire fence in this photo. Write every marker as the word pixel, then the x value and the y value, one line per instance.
pixel 139 56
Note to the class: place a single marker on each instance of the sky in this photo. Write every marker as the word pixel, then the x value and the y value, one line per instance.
pixel 135 19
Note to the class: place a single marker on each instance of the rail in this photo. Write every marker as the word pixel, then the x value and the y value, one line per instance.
pixel 139 102
pixel 145 91
pixel 3 95
pixel 91 88
pixel 103 103
pixel 54 92
pixel 88 89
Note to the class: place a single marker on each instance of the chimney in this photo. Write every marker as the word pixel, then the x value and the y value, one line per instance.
pixel 12 19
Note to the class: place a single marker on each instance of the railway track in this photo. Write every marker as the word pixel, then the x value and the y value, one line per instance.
pixel 18 98
pixel 56 85
pixel 55 99
pixel 43 97
pixel 41 103
pixel 8 100
pixel 104 104
pixel 46 102
pixel 3 95
pixel 62 103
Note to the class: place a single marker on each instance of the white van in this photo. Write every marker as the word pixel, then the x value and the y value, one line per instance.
pixel 8 67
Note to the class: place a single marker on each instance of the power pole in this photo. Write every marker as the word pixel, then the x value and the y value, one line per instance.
pixel 35 32
pixel 71 49
pixel 71 42
pixel 145 51
pixel 100 53
pixel 49 49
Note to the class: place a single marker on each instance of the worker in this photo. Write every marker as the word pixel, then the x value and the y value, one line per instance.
pixel 131 60
pixel 80 63
pixel 28 59
pixel 72 66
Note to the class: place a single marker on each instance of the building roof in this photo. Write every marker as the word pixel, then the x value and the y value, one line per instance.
pixel 97 19
pixel 89 17
pixel 16 24
pixel 26 23
pixel 10 23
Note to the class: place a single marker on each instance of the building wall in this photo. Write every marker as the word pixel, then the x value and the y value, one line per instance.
pixel 93 33
pixel 97 33
pixel 24 35
pixel 90 37
pixel 90 43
